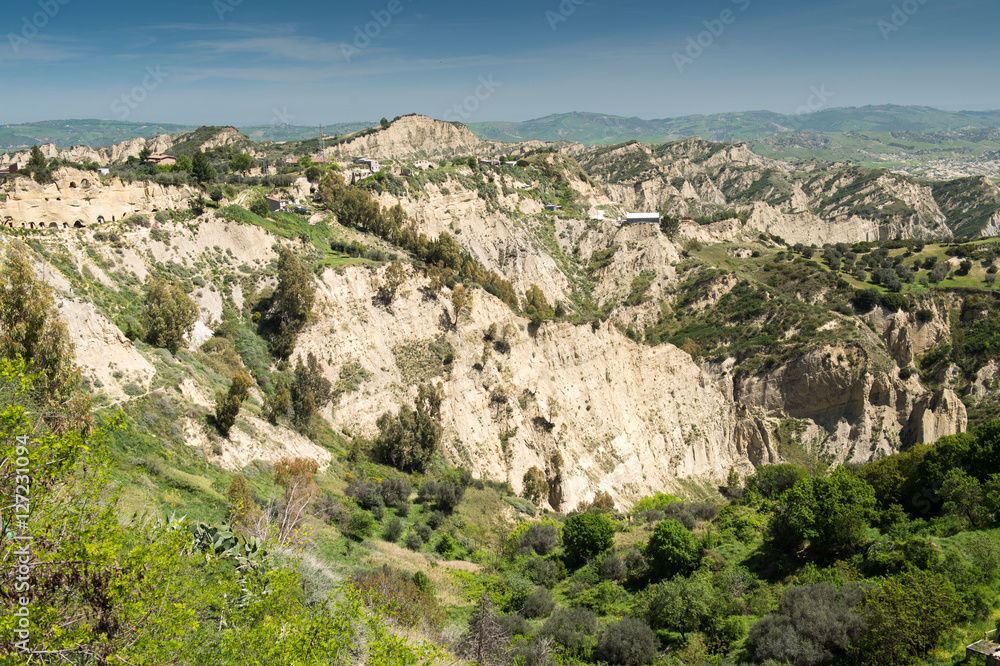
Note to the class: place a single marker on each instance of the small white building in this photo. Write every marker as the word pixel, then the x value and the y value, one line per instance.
pixel 104 171
pixel 372 164
pixel 643 218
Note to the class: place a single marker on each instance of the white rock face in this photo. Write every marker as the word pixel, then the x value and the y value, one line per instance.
pixel 625 418
pixel 107 357
pixel 413 137
pixel 83 197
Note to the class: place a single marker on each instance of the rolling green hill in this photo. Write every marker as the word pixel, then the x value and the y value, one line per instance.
pixel 592 128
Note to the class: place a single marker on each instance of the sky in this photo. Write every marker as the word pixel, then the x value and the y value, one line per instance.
pixel 305 62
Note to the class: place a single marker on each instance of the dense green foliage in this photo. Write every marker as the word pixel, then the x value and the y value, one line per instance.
pixel 672 550
pixel 169 314
pixel 587 534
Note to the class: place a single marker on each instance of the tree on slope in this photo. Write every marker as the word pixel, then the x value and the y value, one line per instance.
pixel 30 328
pixel 170 314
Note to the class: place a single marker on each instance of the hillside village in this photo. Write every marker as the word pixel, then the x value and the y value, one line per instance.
pixel 543 393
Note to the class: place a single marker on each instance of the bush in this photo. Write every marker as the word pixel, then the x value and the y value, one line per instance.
pixel 586 535
pixel 607 598
pixel 393 530
pixel 772 480
pixel 396 595
pixel 515 625
pixel 360 526
pixel 672 550
pixel 367 495
pixel 538 604
pixel 573 629
pixel 408 439
pixel 413 541
pixel 542 571
pixel 423 582
pixel 814 624
pixel 445 495
pixel 905 618
pixel 613 568
pixel 924 315
pixel 395 491
pixel 895 302
pixel 628 642
pixel 424 531
pixel 832 513
pixel 864 301
pixel 435 520
pixel 446 546
pixel 537 652
pixel 540 538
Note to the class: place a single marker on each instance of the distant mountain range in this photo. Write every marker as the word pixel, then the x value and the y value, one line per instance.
pixel 918 139
pixel 595 129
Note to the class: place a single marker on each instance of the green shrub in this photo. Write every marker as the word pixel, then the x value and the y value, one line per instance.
pixel 540 538
pixel 586 535
pixel 628 642
pixel 606 598
pixel 672 550
pixel 393 530
pixel 360 526
pixel 413 541
pixel 538 604
pixel 447 546
pixel 423 582
pixel 813 625
pixel 573 629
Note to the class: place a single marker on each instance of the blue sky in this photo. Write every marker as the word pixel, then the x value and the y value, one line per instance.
pixel 305 62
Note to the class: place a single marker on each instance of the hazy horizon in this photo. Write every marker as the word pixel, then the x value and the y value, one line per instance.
pixel 247 62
